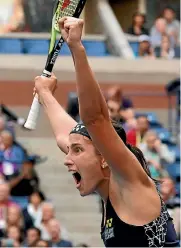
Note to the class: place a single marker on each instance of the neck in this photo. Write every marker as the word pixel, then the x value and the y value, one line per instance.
pixel 35 207
pixel 56 239
pixel 103 189
pixel 169 21
pixel 137 25
pixel 45 222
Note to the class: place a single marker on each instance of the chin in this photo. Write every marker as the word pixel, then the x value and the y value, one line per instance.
pixel 86 192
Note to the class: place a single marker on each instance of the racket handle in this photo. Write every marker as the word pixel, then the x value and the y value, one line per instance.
pixel 35 108
pixel 33 114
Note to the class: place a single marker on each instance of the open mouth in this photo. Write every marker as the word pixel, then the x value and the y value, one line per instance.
pixel 77 178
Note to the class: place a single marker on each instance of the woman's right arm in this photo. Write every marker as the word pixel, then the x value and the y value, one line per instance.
pixel 60 121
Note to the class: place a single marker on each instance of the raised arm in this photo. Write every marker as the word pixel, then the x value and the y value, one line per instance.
pixel 93 109
pixel 60 121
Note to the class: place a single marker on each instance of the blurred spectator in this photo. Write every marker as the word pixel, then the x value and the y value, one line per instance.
pixel 5 242
pixel 42 243
pixel 156 154
pixel 23 184
pixel 173 25
pixel 48 213
pixel 145 49
pixel 4 125
pixel 11 156
pixel 136 136
pixel 154 149
pixel 35 12
pixel 33 212
pixel 158 30
pixel 14 217
pixel 32 237
pixel 167 190
pixel 55 234
pixel 115 94
pixel 166 51
pixel 128 115
pixel 114 110
pixel 5 203
pixel 137 27
pixel 11 16
pixel 14 233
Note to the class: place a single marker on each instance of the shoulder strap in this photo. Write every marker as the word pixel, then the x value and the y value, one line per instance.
pixel 103 214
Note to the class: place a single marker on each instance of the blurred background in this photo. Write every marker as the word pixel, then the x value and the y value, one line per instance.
pixel 134 50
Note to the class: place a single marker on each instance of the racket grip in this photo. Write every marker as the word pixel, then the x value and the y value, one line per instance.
pixel 35 108
pixel 33 114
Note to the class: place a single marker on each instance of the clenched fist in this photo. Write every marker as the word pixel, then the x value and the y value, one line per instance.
pixel 71 30
pixel 44 84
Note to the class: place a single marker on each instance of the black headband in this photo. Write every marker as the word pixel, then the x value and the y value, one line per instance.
pixel 81 129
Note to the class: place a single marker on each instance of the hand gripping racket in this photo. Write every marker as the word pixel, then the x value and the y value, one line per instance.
pixel 61 8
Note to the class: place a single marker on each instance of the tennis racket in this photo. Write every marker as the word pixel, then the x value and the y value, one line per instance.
pixel 61 8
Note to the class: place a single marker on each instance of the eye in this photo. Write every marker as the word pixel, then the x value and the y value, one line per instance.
pixel 77 149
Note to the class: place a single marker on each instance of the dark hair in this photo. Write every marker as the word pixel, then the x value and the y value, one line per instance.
pixel 138 14
pixel 35 229
pixel 136 151
pixel 142 116
pixel 169 8
pixel 41 195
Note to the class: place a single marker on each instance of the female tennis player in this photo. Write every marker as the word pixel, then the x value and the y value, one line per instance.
pixel 101 161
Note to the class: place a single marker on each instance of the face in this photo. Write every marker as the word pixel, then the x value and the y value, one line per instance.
pixel 150 141
pixel 142 124
pixel 144 45
pixel 13 216
pixel 4 192
pixel 139 20
pixel 169 15
pixel 35 199
pixel 32 236
pixel 165 43
pixel 127 114
pixel 114 110
pixel 14 233
pixel 161 25
pixel 84 164
pixel 6 140
pixel 167 189
pixel 47 212
pixel 54 229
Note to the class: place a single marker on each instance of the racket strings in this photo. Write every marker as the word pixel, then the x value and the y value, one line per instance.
pixel 65 8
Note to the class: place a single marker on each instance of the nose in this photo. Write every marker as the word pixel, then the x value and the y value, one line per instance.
pixel 68 162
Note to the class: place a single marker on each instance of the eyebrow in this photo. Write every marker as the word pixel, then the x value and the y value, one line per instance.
pixel 73 145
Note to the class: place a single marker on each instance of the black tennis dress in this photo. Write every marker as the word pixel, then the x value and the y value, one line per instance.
pixel 158 233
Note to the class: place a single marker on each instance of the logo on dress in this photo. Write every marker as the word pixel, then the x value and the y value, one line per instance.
pixel 109 230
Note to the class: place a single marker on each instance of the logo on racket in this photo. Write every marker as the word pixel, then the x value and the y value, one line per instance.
pixel 65 4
